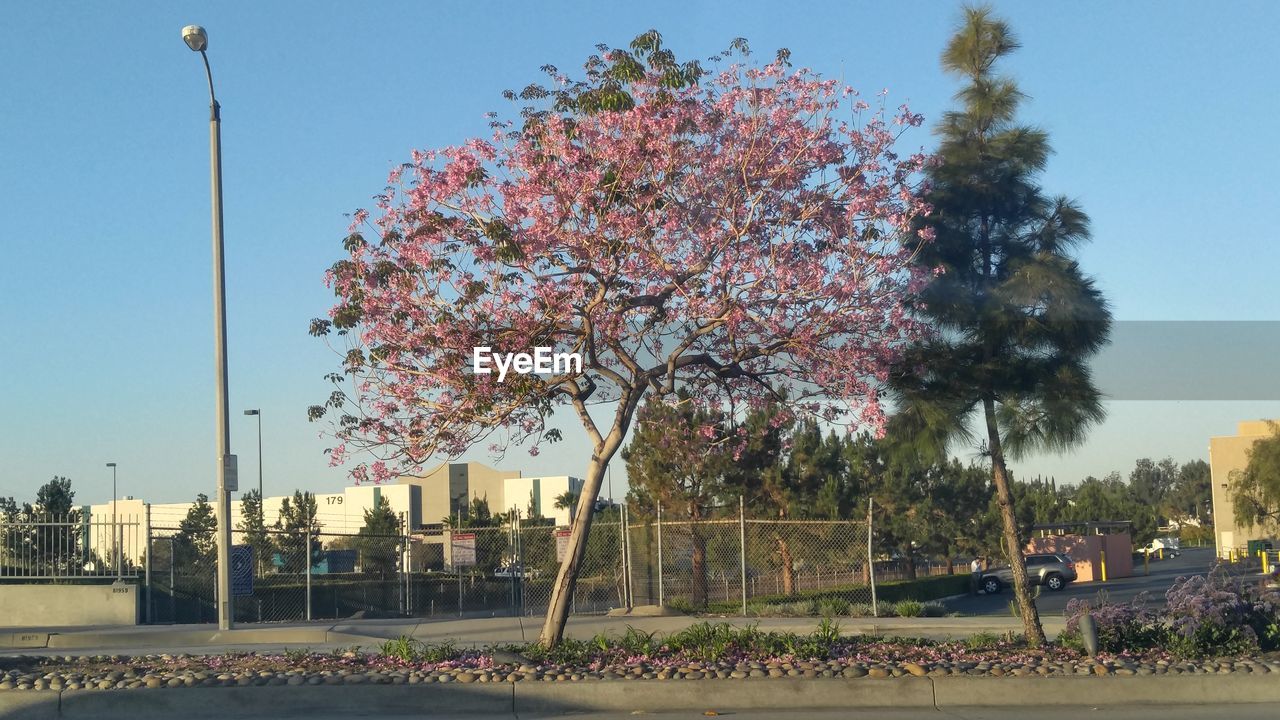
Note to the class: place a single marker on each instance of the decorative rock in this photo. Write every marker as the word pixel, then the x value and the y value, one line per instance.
pixel 915 669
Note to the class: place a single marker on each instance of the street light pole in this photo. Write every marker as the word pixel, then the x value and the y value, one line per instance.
pixel 258 414
pixel 115 524
pixel 196 39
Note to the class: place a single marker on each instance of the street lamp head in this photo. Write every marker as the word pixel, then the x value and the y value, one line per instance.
pixel 250 412
pixel 111 465
pixel 195 37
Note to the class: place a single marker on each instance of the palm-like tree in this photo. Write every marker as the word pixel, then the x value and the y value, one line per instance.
pixel 1016 318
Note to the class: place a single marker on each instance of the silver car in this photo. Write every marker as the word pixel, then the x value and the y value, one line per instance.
pixel 1053 571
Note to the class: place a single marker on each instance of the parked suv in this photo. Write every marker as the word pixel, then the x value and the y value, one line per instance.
pixel 1051 571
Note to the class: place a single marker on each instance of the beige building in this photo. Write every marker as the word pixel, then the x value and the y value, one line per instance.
pixel 341 513
pixel 1228 454
pixel 450 488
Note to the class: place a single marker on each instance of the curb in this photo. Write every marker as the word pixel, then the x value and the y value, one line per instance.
pixel 645 696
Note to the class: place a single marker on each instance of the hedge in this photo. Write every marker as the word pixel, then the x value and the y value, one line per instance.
pixel 921 589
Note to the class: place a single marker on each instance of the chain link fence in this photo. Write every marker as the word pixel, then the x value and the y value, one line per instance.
pixel 728 565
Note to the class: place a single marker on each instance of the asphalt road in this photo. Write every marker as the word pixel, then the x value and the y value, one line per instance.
pixel 1125 712
pixel 1193 561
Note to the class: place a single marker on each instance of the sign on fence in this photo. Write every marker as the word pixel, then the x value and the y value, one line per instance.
pixel 464 549
pixel 241 569
pixel 562 544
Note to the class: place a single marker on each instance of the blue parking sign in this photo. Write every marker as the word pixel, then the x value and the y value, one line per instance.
pixel 241 569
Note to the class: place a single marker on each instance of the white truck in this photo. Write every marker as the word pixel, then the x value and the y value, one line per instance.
pixel 1172 546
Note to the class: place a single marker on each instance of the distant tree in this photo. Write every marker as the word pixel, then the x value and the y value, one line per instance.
pixel 1152 482
pixel 298 530
pixel 254 528
pixel 58 547
pixel 1192 492
pixel 1255 490
pixel 1016 318
pixel 478 515
pixel 378 539
pixel 195 544
pixel 45 538
pixel 567 500
pixel 957 497
pixel 782 485
pixel 677 457
pixel 1111 498
pixel 55 498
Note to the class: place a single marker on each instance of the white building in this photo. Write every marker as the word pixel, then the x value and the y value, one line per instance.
pixel 418 501
pixel 338 513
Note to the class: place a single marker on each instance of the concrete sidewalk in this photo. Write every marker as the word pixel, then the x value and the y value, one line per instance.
pixel 475 631
pixel 642 697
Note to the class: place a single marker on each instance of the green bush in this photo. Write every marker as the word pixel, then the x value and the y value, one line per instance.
pixel 861 610
pixel 680 604
pixel 908 608
pixel 833 607
pixel 982 641
pixel 934 609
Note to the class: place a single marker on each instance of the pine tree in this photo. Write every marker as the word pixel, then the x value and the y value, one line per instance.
pixel 378 539
pixel 195 543
pixel 297 521
pixel 1017 319
pixel 253 527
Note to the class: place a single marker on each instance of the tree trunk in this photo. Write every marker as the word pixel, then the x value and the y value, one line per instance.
pixel 1012 542
pixel 951 565
pixel 699 559
pixel 567 576
pixel 788 566
pixel 910 563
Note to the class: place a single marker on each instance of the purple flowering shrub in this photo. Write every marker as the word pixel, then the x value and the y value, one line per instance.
pixel 1217 614
pixel 1121 626
pixel 1204 616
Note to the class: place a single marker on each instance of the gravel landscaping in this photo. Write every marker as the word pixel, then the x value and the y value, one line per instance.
pixel 706 652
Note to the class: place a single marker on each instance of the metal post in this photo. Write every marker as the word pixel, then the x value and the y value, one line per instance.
pixel 173 594
pixel 259 455
pixel 148 561
pixel 662 599
pixel 631 583
pixel 308 561
pixel 622 550
pixel 115 523
pixel 742 549
pixel 871 565
pixel 197 40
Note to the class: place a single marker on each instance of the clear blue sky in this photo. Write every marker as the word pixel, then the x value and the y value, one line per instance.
pixel 1163 115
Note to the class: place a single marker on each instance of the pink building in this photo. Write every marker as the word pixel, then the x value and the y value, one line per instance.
pixel 1087 552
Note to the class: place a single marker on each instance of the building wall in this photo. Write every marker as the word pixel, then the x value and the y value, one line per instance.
pixel 1228 454
pixel 448 485
pixel 1086 551
pixel 543 491
pixel 341 512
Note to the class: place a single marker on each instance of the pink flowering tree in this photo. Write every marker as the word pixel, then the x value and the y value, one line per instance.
pixel 738 234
